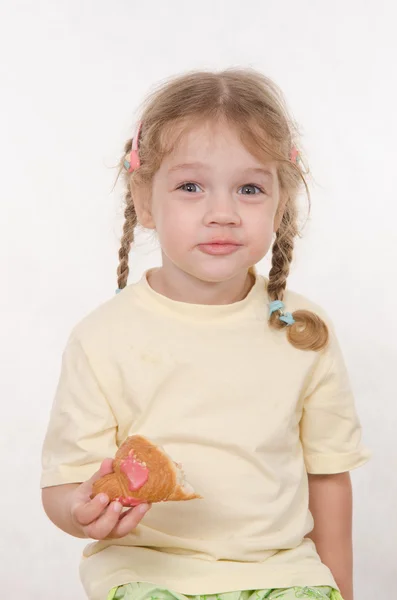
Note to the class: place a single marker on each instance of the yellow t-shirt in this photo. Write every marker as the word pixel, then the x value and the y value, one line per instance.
pixel 247 414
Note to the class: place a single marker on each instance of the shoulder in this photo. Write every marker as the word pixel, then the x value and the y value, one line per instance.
pixel 110 320
pixel 294 301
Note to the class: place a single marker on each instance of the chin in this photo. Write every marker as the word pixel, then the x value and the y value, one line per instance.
pixel 217 273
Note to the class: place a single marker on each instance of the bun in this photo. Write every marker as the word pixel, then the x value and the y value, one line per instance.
pixel 143 472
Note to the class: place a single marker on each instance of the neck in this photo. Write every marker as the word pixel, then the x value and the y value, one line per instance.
pixel 183 287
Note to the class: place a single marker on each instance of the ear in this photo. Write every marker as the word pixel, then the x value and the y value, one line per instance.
pixel 142 202
pixel 280 212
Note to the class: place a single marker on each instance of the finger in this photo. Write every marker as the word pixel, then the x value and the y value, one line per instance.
pixel 130 521
pixel 105 469
pixel 101 528
pixel 87 512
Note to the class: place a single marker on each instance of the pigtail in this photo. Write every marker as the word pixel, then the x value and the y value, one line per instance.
pixel 308 331
pixel 130 223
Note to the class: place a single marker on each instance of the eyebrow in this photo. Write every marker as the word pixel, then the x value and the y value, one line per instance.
pixel 193 165
pixel 199 165
pixel 259 170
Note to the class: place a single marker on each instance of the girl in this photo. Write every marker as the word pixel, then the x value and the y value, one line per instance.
pixel 240 380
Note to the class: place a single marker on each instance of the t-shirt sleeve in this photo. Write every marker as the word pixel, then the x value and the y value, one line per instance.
pixel 82 428
pixel 330 428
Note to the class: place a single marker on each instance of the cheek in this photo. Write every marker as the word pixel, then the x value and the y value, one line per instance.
pixel 174 221
pixel 263 239
pixel 261 223
pixel 259 228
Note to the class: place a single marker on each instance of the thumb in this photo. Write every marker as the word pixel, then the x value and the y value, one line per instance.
pixel 105 469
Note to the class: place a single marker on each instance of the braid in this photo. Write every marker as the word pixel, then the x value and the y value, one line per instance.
pixel 282 254
pixel 309 332
pixel 130 222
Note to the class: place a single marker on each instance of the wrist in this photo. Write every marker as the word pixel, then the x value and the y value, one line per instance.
pixel 72 526
pixel 57 503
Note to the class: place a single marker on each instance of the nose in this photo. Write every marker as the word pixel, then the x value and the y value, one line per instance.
pixel 222 210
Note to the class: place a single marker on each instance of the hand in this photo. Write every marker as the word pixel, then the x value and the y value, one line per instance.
pixel 98 518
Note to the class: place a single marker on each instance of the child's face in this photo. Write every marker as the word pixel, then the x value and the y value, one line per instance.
pixel 213 205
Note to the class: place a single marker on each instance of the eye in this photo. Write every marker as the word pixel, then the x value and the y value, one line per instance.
pixel 190 187
pixel 251 190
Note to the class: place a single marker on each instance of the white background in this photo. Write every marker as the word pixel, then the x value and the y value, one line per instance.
pixel 73 73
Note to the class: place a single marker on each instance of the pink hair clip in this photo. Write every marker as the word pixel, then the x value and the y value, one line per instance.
pixel 132 162
pixel 294 154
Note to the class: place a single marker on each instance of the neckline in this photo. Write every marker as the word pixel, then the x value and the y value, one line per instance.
pixel 256 298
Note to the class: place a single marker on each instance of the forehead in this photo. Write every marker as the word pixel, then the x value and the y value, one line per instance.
pixel 210 140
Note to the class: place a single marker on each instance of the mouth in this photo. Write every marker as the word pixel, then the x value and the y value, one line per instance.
pixel 220 247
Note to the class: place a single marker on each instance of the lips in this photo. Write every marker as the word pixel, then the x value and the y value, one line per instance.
pixel 220 247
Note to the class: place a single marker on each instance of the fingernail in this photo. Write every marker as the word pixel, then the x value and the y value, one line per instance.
pixel 117 507
pixel 144 508
pixel 103 499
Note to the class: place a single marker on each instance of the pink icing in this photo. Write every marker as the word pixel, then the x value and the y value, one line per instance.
pixel 129 501
pixel 136 472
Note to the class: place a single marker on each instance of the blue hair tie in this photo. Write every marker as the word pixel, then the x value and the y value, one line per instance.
pixel 276 305
pixel 118 291
pixel 285 317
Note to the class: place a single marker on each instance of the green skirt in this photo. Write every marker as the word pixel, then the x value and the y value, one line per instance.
pixel 147 591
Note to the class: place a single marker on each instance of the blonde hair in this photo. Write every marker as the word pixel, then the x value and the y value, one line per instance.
pixel 254 105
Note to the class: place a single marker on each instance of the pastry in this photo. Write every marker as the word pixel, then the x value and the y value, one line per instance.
pixel 143 472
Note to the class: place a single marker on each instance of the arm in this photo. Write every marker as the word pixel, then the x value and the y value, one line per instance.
pixel 81 431
pixel 330 498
